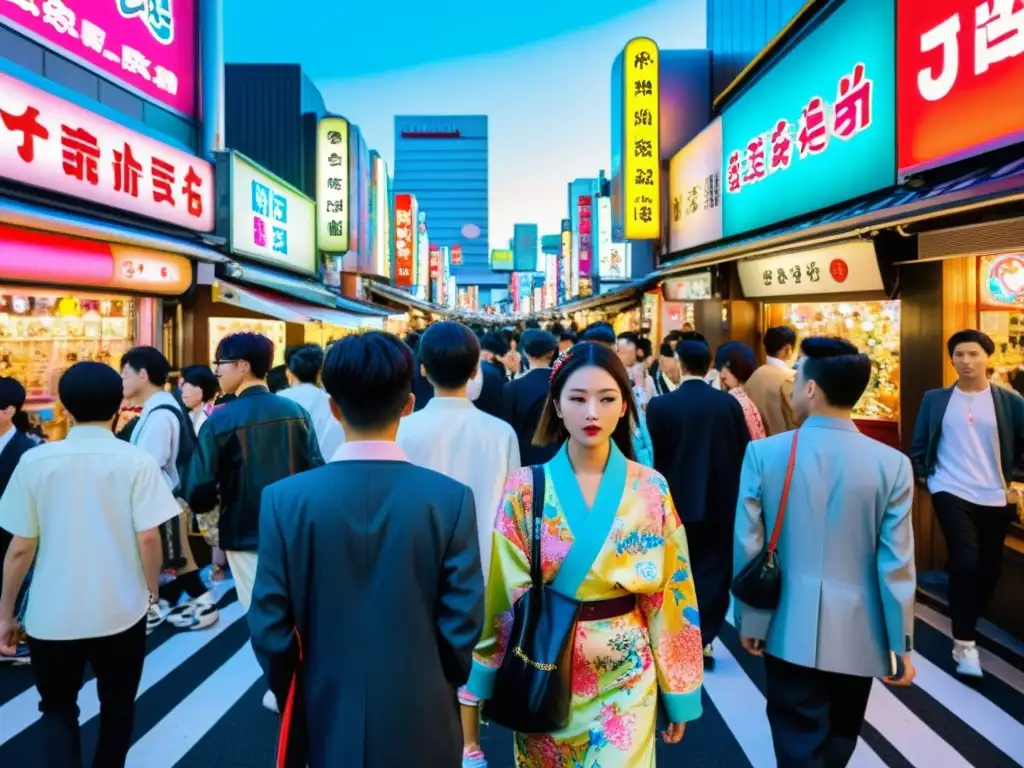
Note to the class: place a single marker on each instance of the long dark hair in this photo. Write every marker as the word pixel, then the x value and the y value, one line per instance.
pixel 550 428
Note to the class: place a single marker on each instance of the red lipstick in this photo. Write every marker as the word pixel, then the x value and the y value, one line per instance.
pixel 592 430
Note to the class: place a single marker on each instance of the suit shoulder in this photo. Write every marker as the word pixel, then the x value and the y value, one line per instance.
pixel 886 453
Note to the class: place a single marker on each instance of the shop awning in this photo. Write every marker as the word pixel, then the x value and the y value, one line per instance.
pixel 400 297
pixel 620 298
pixel 31 216
pixel 289 310
pixel 981 188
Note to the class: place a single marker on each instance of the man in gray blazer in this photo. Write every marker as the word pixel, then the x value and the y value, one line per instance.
pixel 846 551
pixel 369 594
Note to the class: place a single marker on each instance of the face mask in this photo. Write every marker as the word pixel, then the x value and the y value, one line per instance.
pixel 476 384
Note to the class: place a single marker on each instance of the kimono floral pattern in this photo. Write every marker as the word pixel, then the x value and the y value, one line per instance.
pixel 619 664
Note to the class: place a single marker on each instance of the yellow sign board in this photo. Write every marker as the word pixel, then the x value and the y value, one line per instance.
pixel 501 260
pixel 641 152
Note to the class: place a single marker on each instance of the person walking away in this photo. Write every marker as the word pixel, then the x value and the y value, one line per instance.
pixel 303 368
pixel 846 555
pixel 89 508
pixel 968 441
pixel 771 385
pixel 699 435
pixel 643 384
pixel 403 549
pixel 525 396
pixel 251 442
pixel 735 364
pixel 493 349
pixel 611 539
pixel 452 437
pixel 666 373
pixel 165 433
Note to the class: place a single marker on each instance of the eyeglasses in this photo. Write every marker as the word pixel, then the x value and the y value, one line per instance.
pixel 220 363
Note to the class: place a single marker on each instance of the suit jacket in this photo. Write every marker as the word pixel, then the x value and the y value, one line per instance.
pixel 846 548
pixel 1009 407
pixel 771 388
pixel 492 390
pixel 385 593
pixel 523 404
pixel 698 435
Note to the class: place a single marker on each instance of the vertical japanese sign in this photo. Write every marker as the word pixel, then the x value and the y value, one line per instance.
pixel 565 268
pixel 422 261
pixel 819 127
pixel 695 191
pixel 960 66
pixel 584 215
pixel 405 239
pixel 50 143
pixel 456 255
pixel 380 217
pixel 332 182
pixel 641 151
pixel 550 279
pixel 146 46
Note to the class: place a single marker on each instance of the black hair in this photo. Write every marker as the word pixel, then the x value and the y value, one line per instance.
pixel 255 349
pixel 91 392
pixel 644 348
pixel 674 335
pixel 494 343
pixel 412 340
pixel 738 358
pixel 839 369
pixel 695 357
pixel 631 337
pixel 369 377
pixel 450 352
pixel 600 333
pixel 12 394
pixel 202 377
pixel 692 336
pixel 277 378
pixel 148 359
pixel 665 350
pixel 531 324
pixel 970 335
pixel 305 362
pixel 778 337
pixel 566 335
pixel 551 430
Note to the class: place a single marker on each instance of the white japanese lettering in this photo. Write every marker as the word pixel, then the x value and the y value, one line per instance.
pixel 28 6
pixel 936 86
pixel 60 17
pixel 998 33
pixel 133 61
pixel 93 37
pixel 166 80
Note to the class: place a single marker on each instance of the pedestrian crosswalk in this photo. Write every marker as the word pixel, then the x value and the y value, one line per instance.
pixel 200 705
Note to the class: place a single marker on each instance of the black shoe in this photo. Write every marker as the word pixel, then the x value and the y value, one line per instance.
pixel 709 660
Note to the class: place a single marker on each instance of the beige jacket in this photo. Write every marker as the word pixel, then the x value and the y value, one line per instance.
pixel 771 387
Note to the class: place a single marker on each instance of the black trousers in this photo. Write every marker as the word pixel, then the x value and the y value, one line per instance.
pixel 815 716
pixel 974 537
pixel 59 667
pixel 711 552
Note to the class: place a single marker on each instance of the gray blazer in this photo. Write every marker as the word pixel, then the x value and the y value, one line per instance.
pixel 376 565
pixel 846 549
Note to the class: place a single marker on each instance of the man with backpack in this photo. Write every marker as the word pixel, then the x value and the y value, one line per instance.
pixel 164 431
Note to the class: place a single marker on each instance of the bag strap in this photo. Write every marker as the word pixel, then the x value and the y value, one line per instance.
pixel 536 571
pixel 777 528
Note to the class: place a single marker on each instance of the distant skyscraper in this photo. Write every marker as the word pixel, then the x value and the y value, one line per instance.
pixel 442 159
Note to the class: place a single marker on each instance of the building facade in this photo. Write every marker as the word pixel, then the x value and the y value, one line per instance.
pixel 443 161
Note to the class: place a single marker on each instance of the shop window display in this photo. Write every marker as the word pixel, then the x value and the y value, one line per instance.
pixel 874 327
pixel 1001 289
pixel 225 326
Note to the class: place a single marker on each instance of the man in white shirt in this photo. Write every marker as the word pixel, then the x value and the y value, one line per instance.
pixel 162 431
pixel 96 504
pixel 453 437
pixel 303 366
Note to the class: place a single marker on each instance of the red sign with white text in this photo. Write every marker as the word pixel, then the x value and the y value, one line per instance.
pixel 405 234
pixel 51 143
pixel 456 255
pixel 960 79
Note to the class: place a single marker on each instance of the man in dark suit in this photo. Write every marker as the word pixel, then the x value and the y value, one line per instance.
pixel 525 396
pixel 493 348
pixel 365 613
pixel 699 437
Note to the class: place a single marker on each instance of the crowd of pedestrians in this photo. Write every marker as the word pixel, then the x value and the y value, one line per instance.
pixel 544 529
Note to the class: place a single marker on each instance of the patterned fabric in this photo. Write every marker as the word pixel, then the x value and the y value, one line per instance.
pixel 755 425
pixel 619 664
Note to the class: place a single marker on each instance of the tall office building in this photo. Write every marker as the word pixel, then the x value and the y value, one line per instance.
pixel 739 29
pixel 442 160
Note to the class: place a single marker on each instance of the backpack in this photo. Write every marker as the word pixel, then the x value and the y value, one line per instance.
pixel 186 447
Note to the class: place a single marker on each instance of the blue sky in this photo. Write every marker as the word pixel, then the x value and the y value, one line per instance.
pixel 540 70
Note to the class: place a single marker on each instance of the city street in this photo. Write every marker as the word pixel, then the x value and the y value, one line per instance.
pixel 200 706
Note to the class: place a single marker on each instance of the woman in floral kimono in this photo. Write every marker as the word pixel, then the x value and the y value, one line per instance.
pixel 609 527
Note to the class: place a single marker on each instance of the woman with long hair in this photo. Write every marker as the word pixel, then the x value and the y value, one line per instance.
pixel 637 644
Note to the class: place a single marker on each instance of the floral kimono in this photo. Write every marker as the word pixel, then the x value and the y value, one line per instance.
pixel 631 541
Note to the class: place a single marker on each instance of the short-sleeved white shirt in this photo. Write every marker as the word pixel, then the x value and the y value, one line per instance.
pixel 86 498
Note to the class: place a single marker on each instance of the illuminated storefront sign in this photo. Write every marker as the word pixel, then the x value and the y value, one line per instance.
pixel 332 182
pixel 641 152
pixel 960 74
pixel 585 223
pixel 147 46
pixel 405 239
pixel 50 143
pixel 456 255
pixel 612 263
pixel 550 280
pixel 689 288
pixel 380 216
pixel 422 261
pixel 695 189
pixel 819 127
pixel 1001 281
pixel 502 260
pixel 270 220
pixel 565 268
pixel 843 268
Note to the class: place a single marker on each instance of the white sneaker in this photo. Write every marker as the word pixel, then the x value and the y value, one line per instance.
pixel 270 702
pixel 968 661
pixel 198 613
pixel 157 614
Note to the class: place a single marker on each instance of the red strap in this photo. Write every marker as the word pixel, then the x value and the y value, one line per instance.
pixel 289 712
pixel 777 528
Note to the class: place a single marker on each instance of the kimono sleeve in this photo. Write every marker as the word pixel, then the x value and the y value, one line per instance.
pixel 673 623
pixel 508 579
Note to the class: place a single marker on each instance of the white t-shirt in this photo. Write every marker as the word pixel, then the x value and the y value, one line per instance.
pixel 158 433
pixel 967 461
pixel 317 403
pixel 86 498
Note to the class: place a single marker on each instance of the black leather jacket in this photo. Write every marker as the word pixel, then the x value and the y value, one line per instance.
pixel 255 440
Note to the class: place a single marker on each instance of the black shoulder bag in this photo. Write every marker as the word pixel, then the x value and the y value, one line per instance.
pixel 759 584
pixel 533 685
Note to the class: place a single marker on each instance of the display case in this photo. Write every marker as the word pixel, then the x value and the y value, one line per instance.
pixel 1001 311
pixel 274 330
